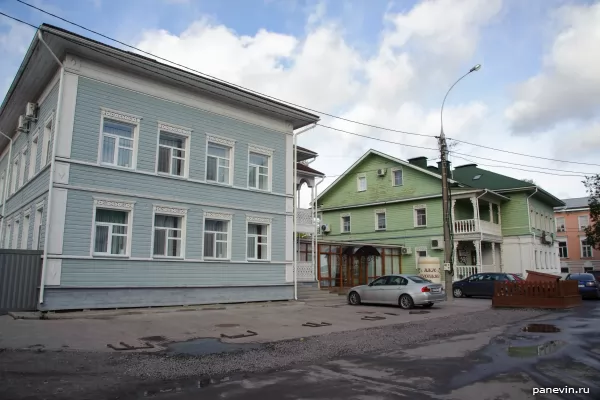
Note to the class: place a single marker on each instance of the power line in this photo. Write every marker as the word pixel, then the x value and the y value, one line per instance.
pixel 277 99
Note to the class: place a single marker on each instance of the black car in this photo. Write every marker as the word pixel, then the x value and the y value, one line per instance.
pixel 481 284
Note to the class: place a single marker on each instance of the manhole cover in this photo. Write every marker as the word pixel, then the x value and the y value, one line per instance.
pixel 227 326
pixel 541 328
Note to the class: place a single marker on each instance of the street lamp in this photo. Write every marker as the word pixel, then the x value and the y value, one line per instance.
pixel 448 242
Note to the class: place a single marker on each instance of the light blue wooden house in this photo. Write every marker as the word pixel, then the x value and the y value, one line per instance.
pixel 144 184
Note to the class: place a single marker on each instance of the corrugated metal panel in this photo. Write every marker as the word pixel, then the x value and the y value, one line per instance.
pixel 20 273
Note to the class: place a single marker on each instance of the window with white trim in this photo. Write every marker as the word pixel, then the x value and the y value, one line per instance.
pixel 46 148
pixel 218 163
pixel 37 227
pixel 361 183
pixel 397 177
pixel 258 171
pixel 380 220
pixel 7 233
pixel 563 250
pixel 25 233
pixel 14 181
pixel 216 239
pixel 346 224
pixel 2 186
pixel 561 224
pixel 420 216
pixel 117 144
pixel 586 249
pixel 23 165
pixel 15 234
pixel 168 235
pixel 583 222
pixel 33 156
pixel 257 242
pixel 173 156
pixel 112 234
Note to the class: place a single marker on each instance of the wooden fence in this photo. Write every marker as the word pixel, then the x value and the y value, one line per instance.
pixel 560 294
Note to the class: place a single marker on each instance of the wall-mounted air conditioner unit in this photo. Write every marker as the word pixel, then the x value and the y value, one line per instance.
pixel 325 228
pixel 31 111
pixel 381 172
pixel 437 243
pixel 23 125
pixel 406 250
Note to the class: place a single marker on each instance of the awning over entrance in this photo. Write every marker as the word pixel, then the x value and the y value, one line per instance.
pixel 363 251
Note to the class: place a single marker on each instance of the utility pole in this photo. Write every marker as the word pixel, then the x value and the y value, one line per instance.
pixel 446 217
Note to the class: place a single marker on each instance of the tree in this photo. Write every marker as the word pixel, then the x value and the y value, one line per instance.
pixel 592 185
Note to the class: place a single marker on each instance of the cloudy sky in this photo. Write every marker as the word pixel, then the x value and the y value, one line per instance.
pixel 384 63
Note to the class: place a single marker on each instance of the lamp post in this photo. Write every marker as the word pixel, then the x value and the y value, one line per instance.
pixel 448 242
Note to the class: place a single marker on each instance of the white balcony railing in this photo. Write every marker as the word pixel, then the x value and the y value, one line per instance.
pixel 306 271
pixel 463 226
pixel 305 222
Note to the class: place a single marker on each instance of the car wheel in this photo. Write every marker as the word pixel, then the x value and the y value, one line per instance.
pixel 406 302
pixel 428 305
pixel 457 292
pixel 354 299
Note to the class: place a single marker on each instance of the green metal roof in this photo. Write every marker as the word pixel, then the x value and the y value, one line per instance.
pixel 473 176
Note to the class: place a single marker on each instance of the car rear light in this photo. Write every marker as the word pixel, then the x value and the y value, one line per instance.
pixel 425 289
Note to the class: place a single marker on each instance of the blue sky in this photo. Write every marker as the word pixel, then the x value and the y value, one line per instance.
pixel 390 64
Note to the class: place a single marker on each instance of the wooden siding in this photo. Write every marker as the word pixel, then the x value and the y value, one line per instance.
pixel 92 95
pixel 64 299
pixel 547 211
pixel 515 219
pixel 78 229
pixel 379 189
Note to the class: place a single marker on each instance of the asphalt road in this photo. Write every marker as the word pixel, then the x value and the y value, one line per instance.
pixel 500 363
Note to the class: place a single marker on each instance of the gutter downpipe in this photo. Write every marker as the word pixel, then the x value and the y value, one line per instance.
pixel 7 183
pixel 317 226
pixel 295 235
pixel 479 223
pixel 52 166
pixel 531 260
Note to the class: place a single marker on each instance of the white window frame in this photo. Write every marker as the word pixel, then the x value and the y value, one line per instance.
pixel 174 212
pixel 415 219
pixel 37 225
pixel 47 139
pixel 393 174
pixel 581 246
pixel 183 132
pixel 120 117
pixel 7 233
pixel 377 214
pixel 256 220
pixel 224 142
pixel 2 186
pixel 14 179
pixel 117 205
pixel 561 227
pixel 33 154
pixel 23 165
pixel 566 242
pixel 342 216
pixel 25 229
pixel 418 256
pixel 359 177
pixel 263 151
pixel 14 240
pixel 221 216
pixel 580 225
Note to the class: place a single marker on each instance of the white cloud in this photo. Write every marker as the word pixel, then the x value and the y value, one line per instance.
pixel 569 86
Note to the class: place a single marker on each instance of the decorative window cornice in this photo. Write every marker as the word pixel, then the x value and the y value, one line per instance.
pixel 258 220
pixel 345 215
pixel 260 149
pixel 380 211
pixel 419 206
pixel 180 130
pixel 132 119
pixel 221 140
pixel 170 210
pixel 114 204
pixel 218 215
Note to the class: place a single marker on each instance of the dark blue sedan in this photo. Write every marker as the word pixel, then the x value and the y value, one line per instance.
pixel 589 287
pixel 481 285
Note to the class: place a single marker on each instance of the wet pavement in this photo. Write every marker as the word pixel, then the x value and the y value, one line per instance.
pixel 561 351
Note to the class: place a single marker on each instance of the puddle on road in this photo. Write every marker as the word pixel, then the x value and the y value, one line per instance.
pixel 199 347
pixel 541 328
pixel 536 351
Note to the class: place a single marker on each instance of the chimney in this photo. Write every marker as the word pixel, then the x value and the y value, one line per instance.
pixel 448 168
pixel 420 162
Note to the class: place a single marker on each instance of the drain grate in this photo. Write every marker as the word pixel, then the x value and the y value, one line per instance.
pixel 243 335
pixel 316 325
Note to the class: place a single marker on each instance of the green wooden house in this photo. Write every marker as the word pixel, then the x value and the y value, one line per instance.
pixel 381 202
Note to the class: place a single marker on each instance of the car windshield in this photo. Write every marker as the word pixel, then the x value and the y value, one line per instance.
pixel 582 277
pixel 418 279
